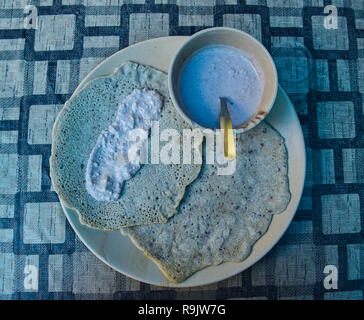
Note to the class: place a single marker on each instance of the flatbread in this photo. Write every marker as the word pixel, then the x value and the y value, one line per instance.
pixel 153 194
pixel 221 216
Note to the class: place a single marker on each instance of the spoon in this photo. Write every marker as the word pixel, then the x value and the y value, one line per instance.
pixel 226 125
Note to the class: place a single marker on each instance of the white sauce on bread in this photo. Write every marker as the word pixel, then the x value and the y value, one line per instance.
pixel 116 157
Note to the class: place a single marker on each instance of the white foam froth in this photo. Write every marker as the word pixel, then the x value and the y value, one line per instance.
pixel 220 71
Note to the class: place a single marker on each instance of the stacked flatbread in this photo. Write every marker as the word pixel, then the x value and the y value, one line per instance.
pixel 221 216
pixel 184 217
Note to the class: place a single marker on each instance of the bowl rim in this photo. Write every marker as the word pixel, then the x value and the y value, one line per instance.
pixel 198 34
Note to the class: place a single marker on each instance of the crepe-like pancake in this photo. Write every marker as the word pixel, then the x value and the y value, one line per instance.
pixel 221 216
pixel 153 194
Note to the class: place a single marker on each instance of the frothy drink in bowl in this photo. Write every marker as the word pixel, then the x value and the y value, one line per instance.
pixel 216 71
pixel 218 68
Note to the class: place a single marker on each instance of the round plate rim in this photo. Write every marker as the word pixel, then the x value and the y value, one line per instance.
pixel 70 212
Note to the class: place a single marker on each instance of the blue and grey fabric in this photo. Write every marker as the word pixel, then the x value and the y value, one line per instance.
pixel 320 66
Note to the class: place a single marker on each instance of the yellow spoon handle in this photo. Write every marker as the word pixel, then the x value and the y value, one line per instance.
pixel 229 142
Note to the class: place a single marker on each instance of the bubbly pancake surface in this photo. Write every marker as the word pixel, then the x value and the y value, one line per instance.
pixel 153 194
pixel 221 216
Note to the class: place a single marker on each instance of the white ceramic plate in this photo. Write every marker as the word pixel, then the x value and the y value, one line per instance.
pixel 119 253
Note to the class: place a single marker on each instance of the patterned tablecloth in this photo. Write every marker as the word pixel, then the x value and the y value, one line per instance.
pixel 320 61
